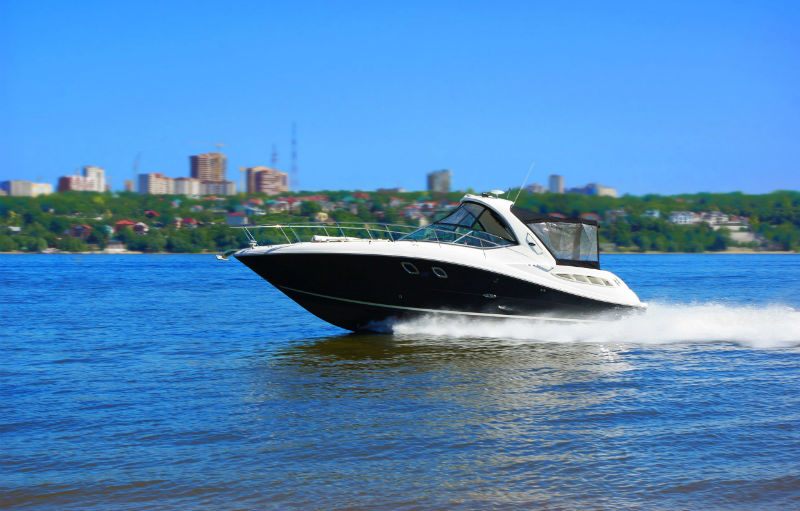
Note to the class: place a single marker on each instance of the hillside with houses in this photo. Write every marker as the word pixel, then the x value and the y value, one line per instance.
pixel 120 222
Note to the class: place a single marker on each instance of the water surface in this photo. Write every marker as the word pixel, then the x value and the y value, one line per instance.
pixel 179 382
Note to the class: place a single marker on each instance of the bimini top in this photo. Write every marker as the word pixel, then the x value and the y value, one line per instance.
pixel 571 241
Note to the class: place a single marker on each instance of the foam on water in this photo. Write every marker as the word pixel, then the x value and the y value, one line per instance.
pixel 773 326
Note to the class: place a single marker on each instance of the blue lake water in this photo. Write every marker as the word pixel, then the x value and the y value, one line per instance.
pixel 181 382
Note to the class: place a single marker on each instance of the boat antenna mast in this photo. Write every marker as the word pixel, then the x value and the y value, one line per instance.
pixel 524 181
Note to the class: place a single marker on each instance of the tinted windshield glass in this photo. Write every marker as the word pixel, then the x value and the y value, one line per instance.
pixel 470 224
pixel 568 241
pixel 478 218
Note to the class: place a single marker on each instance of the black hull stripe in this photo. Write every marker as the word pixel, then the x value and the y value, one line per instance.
pixel 437 311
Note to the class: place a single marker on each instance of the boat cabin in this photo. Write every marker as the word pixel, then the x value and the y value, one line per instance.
pixel 571 241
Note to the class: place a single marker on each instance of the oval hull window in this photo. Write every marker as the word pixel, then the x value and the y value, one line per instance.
pixel 409 268
pixel 439 272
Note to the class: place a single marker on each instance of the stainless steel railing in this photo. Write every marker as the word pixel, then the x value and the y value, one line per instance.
pixel 356 231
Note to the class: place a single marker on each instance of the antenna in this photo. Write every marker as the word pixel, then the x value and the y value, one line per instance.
pixel 295 183
pixel 136 170
pixel 524 181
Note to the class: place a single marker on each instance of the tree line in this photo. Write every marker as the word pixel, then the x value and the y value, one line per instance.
pixel 38 223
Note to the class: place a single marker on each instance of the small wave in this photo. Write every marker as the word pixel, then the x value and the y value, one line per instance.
pixel 772 326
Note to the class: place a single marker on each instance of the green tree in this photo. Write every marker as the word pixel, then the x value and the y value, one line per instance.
pixel 69 244
pixel 7 243
pixel 309 208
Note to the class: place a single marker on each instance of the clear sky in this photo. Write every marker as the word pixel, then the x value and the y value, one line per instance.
pixel 661 97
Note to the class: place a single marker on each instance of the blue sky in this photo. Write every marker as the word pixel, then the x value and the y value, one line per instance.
pixel 648 97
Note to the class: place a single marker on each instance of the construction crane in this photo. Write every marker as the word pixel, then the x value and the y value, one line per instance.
pixel 219 145
pixel 295 177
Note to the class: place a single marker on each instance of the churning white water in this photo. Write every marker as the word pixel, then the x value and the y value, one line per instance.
pixel 758 326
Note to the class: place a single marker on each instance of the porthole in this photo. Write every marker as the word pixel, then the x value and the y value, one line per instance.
pixel 439 272
pixel 410 268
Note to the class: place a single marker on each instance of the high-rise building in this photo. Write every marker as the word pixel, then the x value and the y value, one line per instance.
pixel 556 183
pixel 208 166
pixel 98 175
pixel 439 181
pixel 130 185
pixel 25 188
pixel 92 180
pixel 266 180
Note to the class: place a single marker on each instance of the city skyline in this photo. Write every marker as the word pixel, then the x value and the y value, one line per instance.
pixel 667 99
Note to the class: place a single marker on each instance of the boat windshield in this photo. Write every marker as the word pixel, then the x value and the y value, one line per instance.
pixel 470 224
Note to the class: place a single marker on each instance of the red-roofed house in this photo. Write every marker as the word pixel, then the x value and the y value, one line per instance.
pixel 122 224
pixel 190 222
pixel 151 214
pixel 80 231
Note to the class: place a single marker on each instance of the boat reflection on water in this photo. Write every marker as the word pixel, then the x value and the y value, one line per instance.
pixel 533 370
pixel 461 411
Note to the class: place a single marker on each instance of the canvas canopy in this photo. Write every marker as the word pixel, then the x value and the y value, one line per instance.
pixel 571 241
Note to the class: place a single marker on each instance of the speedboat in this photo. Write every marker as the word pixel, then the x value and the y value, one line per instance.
pixel 486 259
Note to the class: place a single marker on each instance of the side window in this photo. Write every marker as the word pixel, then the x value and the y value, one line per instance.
pixel 494 225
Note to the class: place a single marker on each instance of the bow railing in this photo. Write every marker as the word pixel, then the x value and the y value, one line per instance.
pixel 360 231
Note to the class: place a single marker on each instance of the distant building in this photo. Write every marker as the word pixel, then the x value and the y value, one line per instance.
pixel 439 181
pixel 208 166
pixel 614 215
pixel 81 231
pixel 594 189
pixel 535 188
pixel 236 219
pixel 156 183
pixel 217 188
pixel 603 191
pixel 25 188
pixel 556 183
pixel 266 180
pixel 141 228
pixel 130 185
pixel 391 190
pixel 684 217
pixel 714 217
pixel 92 180
pixel 97 174
pixel 591 216
pixel 652 213
pixel 118 226
pixel 187 186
